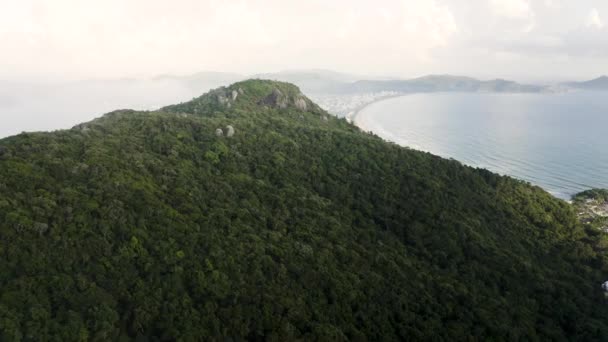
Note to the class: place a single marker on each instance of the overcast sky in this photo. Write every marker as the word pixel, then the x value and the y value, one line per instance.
pixel 518 39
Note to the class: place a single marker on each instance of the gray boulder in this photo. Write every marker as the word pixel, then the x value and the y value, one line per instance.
pixel 229 131
pixel 219 132
pixel 301 104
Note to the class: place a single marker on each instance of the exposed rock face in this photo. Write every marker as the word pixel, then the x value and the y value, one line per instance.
pixel 241 91
pixel 219 132
pixel 275 99
pixel 229 131
pixel 222 99
pixel 301 104
pixel 226 97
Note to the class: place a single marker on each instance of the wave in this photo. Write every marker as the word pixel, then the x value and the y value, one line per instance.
pixel 533 150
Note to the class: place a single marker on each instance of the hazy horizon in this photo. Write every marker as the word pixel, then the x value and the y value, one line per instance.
pixel 523 40
pixel 360 76
pixel 68 61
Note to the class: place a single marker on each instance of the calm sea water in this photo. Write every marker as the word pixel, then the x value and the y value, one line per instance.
pixel 556 141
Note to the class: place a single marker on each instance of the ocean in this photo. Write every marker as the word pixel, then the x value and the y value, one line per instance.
pixel 556 141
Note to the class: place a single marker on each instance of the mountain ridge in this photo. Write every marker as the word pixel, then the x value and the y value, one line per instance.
pixel 148 224
pixel 74 102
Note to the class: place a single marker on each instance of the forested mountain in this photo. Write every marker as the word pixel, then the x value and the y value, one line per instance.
pixel 290 224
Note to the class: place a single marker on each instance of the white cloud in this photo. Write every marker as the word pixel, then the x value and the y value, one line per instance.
pixel 516 9
pixel 118 38
pixel 349 24
pixel 553 4
pixel 517 15
pixel 436 22
pixel 593 20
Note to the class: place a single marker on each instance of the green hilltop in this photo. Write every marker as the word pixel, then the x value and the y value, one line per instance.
pixel 156 226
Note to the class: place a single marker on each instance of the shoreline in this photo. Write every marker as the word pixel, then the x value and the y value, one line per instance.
pixel 355 115
pixel 363 122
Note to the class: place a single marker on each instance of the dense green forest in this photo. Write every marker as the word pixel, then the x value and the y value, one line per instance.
pixel 163 225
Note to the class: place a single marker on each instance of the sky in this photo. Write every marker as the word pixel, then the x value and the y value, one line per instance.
pixel 525 40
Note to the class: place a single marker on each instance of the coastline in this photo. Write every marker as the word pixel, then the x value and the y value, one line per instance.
pixel 358 120
pixel 355 118
pixel 366 124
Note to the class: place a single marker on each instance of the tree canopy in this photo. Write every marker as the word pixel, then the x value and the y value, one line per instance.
pixel 149 226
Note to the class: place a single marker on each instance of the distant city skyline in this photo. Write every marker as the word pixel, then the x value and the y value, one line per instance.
pixel 525 40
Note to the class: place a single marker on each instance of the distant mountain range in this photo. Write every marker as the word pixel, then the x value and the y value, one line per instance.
pixel 442 83
pixel 323 81
pixel 600 83
pixel 66 104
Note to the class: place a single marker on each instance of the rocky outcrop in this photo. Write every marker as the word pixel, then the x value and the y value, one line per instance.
pixel 222 99
pixel 300 103
pixel 229 131
pixel 245 95
pixel 227 97
pixel 276 99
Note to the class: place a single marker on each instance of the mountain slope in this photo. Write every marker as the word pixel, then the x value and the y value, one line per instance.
pixel 152 224
pixel 600 83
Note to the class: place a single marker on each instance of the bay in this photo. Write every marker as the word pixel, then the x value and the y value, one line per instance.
pixel 556 141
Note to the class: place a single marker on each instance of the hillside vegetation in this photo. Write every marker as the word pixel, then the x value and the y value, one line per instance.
pixel 152 226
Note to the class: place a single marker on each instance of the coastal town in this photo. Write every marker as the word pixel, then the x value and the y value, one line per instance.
pixel 347 105
pixel 592 208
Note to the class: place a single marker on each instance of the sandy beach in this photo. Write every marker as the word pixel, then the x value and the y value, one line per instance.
pixel 362 121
